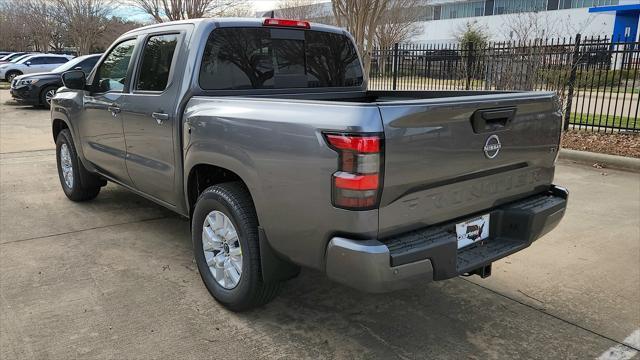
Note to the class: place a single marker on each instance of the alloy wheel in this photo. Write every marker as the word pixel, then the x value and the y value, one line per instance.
pixel 66 165
pixel 49 95
pixel 222 249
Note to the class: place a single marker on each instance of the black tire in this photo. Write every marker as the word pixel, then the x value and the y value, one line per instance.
pixel 233 200
pixel 85 186
pixel 11 74
pixel 43 96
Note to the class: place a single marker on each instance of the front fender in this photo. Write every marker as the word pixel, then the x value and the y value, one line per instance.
pixel 67 106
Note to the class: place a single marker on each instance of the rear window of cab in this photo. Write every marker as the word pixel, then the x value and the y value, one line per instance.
pixel 265 58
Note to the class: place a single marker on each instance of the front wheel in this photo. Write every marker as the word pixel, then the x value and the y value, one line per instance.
pixel 77 183
pixel 46 95
pixel 225 239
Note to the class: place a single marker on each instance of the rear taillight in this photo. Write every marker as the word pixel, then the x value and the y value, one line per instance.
pixel 357 185
pixel 287 23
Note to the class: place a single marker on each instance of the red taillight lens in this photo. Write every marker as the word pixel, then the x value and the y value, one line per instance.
pixel 363 144
pixel 357 184
pixel 287 23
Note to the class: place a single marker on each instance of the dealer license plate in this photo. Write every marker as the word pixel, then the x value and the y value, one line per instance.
pixel 472 231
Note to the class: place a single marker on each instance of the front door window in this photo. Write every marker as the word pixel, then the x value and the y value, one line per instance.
pixel 112 74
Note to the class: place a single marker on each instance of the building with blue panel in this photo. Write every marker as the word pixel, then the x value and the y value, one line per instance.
pixel 627 17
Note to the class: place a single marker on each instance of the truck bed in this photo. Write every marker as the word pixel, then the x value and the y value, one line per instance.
pixel 435 169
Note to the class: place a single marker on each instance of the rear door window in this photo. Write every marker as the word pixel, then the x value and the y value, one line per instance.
pixel 35 61
pixel 263 58
pixel 156 62
pixel 55 60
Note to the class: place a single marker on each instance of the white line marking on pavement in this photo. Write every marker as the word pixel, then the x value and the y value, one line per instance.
pixel 623 352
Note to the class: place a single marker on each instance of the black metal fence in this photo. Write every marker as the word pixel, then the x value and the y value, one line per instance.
pixel 596 79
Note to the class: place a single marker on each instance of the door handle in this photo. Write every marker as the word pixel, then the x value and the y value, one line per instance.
pixel 160 117
pixel 114 110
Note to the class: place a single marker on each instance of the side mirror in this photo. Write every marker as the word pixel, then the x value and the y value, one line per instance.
pixel 28 63
pixel 74 79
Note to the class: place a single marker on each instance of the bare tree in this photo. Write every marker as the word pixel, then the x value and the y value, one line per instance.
pixel 114 28
pixel 361 18
pixel 171 10
pixel 86 21
pixel 38 20
pixel 239 10
pixel 60 37
pixel 526 31
pixel 299 9
pixel 524 27
pixel 11 28
pixel 32 21
pixel 150 7
pixel 397 23
pixel 572 26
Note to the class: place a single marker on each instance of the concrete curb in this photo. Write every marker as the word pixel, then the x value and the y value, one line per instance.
pixel 609 161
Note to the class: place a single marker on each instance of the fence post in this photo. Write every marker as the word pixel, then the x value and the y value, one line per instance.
pixel 396 65
pixel 572 81
pixel 470 61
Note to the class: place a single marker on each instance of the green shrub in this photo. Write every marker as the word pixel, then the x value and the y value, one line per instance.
pixel 590 78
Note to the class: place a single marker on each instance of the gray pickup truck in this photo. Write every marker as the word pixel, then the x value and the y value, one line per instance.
pixel 263 133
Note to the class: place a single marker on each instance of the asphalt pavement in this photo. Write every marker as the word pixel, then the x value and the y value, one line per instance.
pixel 114 278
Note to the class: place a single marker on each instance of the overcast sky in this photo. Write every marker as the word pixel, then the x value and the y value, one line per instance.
pixel 263 5
pixel 131 13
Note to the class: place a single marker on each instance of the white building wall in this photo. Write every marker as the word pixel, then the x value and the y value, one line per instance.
pixel 550 24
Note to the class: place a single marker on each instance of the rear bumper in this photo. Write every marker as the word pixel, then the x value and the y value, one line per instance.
pixel 432 253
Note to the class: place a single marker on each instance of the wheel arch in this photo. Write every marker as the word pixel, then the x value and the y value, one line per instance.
pixel 12 71
pixel 57 125
pixel 202 176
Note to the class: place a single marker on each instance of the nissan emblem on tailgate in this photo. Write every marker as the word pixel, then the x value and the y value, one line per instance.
pixel 492 146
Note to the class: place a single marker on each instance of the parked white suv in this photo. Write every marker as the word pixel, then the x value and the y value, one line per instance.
pixel 32 64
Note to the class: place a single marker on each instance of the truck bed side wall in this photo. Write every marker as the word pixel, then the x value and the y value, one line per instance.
pixel 277 149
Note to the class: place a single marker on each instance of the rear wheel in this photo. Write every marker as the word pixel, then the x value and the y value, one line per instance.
pixel 46 95
pixel 225 239
pixel 77 183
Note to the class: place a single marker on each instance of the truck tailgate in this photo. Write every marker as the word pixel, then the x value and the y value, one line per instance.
pixel 448 158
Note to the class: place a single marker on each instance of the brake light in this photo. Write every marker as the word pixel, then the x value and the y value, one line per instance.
pixel 366 144
pixel 287 23
pixel 357 185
